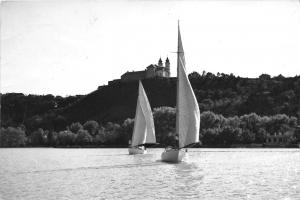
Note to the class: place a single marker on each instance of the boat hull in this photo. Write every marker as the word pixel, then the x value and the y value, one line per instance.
pixel 173 155
pixel 136 150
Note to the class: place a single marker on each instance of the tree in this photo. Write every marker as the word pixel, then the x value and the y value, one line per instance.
pixel 38 137
pixel 112 134
pixel 279 77
pixel 164 122
pixel 127 128
pixel 194 75
pixel 75 127
pixel 278 123
pixel 206 104
pixel 83 137
pixel 52 138
pixel 210 136
pixel 59 123
pixel 233 122
pixel 230 135
pixel 66 138
pixel 261 135
pixel 265 77
pixel 100 136
pixel 250 122
pixel 297 135
pixel 12 137
pixel 211 120
pixel 247 136
pixel 91 126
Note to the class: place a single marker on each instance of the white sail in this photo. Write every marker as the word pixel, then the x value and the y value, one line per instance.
pixel 143 131
pixel 187 112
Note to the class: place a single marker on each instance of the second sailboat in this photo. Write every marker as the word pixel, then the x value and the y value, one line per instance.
pixel 143 131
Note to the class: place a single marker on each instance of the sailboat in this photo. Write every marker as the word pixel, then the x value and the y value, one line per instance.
pixel 187 112
pixel 143 131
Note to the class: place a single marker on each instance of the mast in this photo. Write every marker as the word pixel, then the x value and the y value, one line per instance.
pixel 187 109
pixel 133 138
pixel 177 92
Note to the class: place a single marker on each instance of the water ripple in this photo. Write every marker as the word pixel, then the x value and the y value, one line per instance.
pixel 95 167
pixel 206 174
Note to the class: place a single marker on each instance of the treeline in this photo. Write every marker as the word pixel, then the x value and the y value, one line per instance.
pixel 17 108
pixel 216 130
pixel 90 133
pixel 220 93
pixel 230 95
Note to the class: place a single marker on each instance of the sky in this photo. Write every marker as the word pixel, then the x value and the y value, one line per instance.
pixel 71 47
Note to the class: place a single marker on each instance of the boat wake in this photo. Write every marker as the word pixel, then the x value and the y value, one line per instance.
pixel 121 154
pixel 94 168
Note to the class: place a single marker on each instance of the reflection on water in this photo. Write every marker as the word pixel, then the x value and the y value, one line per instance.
pixel 113 174
pixel 189 178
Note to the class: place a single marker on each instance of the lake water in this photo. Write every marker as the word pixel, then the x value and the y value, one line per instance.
pixel 50 173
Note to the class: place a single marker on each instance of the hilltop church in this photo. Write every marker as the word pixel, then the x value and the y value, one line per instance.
pixel 151 71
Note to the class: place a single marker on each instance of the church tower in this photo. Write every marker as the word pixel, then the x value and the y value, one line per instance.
pixel 160 64
pixel 167 65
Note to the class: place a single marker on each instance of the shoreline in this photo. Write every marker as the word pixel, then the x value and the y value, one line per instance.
pixel 236 146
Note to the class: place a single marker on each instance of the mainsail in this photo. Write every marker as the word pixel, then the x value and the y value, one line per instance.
pixel 143 131
pixel 187 112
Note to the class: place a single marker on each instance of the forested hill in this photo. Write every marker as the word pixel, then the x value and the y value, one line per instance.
pixel 117 101
pixel 223 94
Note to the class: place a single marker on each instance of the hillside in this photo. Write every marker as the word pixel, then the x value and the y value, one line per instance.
pixel 117 101
pixel 222 94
